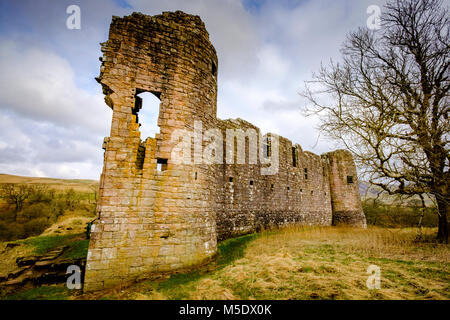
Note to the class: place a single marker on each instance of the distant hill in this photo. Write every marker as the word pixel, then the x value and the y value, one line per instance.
pixel 367 190
pixel 370 191
pixel 59 184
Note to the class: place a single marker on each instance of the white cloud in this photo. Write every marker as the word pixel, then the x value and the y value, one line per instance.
pixel 40 85
pixel 48 126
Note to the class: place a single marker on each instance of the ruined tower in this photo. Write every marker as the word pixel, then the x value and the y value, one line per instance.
pixel 154 215
pixel 158 214
pixel 345 197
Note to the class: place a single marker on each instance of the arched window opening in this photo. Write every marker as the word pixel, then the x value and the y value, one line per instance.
pixel 146 110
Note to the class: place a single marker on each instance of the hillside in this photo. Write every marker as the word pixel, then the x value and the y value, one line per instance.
pixel 81 185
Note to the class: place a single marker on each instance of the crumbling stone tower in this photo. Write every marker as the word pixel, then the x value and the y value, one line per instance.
pixel 344 189
pixel 154 215
pixel 157 214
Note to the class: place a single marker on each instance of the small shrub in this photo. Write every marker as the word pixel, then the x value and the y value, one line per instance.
pixel 397 216
pixel 11 231
pixel 35 211
pixel 35 226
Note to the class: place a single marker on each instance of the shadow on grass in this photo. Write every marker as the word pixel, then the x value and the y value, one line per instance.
pixel 227 252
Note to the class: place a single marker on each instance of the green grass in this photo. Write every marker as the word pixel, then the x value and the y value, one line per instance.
pixel 59 292
pixel 77 250
pixel 44 244
pixel 233 249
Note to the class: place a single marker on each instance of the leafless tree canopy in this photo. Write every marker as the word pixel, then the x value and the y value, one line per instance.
pixel 390 101
pixel 15 194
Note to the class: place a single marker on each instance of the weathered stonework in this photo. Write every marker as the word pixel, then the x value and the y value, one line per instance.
pixel 152 219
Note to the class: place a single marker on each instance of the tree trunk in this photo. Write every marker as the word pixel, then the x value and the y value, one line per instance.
pixel 443 209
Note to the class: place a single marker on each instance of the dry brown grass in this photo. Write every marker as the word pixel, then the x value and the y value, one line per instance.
pixel 68 224
pixel 8 257
pixel 383 242
pixel 331 263
pixel 326 263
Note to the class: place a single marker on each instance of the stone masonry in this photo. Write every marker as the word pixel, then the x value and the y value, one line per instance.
pixel 158 215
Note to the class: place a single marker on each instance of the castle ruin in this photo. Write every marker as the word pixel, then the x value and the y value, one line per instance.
pixel 158 215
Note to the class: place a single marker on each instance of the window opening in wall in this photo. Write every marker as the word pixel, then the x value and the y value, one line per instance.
pixel 266 147
pixel 214 69
pixel 161 164
pixel 251 182
pixel 349 179
pixel 140 157
pixel 306 174
pixel 312 192
pixel 288 188
pixel 271 187
pixel 195 176
pixel 230 179
pixel 294 156
pixel 146 109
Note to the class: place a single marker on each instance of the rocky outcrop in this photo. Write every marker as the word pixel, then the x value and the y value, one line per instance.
pixel 35 270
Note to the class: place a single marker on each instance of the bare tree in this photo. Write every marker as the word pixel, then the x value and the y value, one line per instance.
pixel 15 194
pixel 390 101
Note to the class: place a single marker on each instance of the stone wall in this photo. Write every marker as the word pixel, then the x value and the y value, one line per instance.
pixel 156 214
pixel 248 201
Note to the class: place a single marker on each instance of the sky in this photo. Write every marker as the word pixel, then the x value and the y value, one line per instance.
pixel 53 117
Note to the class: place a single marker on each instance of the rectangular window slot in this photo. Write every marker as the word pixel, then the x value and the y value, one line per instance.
pixel 306 174
pixel 349 179
pixel 267 147
pixel 294 157
pixel 140 157
pixel 230 179
pixel 161 164
pixel 251 182
pixel 271 187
